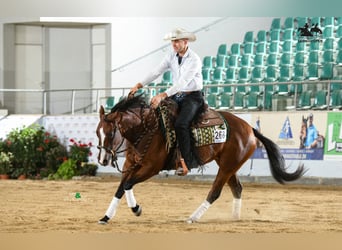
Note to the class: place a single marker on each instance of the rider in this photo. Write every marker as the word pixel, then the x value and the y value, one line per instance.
pixel 185 66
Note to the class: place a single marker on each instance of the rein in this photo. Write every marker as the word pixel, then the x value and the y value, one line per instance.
pixel 149 132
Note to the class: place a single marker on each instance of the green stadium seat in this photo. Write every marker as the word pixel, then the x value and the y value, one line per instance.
pixel 285 73
pixel 243 77
pixel 316 20
pixel 252 101
pixel 328 56
pixel 276 24
pixel 267 102
pixel 320 101
pixel 167 77
pixel 275 35
pixel 208 62
pixel 315 45
pixel 327 71
pixel 304 102
pixel 336 100
pixel 238 102
pixel 261 48
pixel 329 22
pixel 257 76
pixel 287 47
pixel 233 61
pixel 246 60
pixel 313 72
pixel 248 49
pixel 301 47
pixel 221 61
pixel 289 23
pixel 231 75
pixel 207 76
pixel 329 44
pixel 212 100
pixel 288 35
pixel 110 102
pixel 339 58
pixel 259 60
pixel 235 49
pixel 285 59
pixel 338 33
pixel 301 21
pixel 274 47
pixel 225 101
pixel 299 72
pixel 261 37
pixel 222 49
pixel 272 59
pixel 300 58
pixel 249 38
pixel 328 32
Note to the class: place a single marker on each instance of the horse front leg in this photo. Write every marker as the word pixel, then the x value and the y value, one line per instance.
pixel 132 203
pixel 111 211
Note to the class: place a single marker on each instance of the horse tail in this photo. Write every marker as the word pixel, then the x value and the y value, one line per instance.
pixel 277 161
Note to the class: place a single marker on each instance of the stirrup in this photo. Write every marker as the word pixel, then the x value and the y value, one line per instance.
pixel 183 170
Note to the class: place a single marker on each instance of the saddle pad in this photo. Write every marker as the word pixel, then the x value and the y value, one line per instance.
pixel 203 135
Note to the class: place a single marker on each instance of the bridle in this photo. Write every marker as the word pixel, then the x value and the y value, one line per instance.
pixel 114 152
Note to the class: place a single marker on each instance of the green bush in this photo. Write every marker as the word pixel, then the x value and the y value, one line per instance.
pixel 34 151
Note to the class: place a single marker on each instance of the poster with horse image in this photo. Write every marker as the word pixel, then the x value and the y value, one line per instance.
pixel 300 135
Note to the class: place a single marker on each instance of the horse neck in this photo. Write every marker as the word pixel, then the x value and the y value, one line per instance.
pixel 138 124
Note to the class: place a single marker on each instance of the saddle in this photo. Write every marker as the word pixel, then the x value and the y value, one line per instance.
pixel 208 128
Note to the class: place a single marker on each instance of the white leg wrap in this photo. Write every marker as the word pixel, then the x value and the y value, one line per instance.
pixel 131 202
pixel 236 209
pixel 199 212
pixel 112 207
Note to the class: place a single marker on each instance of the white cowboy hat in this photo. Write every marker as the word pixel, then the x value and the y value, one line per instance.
pixel 180 33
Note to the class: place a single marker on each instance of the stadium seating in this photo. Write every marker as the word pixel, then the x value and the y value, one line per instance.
pixel 282 55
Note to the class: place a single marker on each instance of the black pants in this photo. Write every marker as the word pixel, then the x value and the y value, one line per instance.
pixel 188 107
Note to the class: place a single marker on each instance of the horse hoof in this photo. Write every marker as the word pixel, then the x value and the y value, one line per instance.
pixel 190 221
pixel 137 210
pixel 104 220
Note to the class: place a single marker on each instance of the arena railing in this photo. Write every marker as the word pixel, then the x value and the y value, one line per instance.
pixel 88 100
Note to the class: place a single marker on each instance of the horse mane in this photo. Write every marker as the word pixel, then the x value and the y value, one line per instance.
pixel 129 103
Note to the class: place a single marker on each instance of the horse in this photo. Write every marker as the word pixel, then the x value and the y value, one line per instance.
pixel 302 133
pixel 147 155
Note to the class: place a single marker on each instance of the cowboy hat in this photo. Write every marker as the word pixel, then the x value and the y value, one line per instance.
pixel 180 33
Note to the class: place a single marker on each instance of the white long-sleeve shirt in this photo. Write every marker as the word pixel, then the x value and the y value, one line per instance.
pixel 185 77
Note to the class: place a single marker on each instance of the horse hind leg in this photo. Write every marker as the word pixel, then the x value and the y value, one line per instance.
pixel 236 188
pixel 213 195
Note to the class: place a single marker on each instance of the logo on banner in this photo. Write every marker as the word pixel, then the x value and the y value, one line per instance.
pixel 286 132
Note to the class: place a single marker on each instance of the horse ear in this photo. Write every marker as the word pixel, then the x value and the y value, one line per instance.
pixel 101 111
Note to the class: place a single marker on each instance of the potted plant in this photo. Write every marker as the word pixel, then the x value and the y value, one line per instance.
pixel 5 164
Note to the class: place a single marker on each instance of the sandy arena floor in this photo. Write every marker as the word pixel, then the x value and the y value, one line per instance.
pixel 51 206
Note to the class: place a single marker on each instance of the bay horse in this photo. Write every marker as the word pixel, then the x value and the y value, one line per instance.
pixel 147 155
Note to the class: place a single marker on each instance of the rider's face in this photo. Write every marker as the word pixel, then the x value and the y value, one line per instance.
pixel 180 46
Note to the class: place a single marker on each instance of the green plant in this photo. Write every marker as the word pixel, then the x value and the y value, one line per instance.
pixel 5 162
pixel 79 151
pixel 34 150
pixel 87 169
pixel 65 171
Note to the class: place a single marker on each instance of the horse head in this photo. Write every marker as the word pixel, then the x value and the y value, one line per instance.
pixel 110 139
